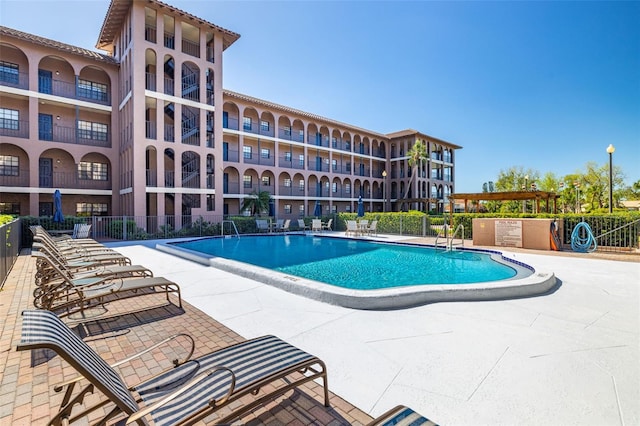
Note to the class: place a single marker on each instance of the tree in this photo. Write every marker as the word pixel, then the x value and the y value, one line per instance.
pixel 515 178
pixel 256 202
pixel 417 154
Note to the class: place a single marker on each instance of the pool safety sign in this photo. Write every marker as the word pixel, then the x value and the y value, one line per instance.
pixel 508 233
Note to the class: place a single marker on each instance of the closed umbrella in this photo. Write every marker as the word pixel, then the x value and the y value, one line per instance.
pixel 272 208
pixel 317 211
pixel 57 207
pixel 360 207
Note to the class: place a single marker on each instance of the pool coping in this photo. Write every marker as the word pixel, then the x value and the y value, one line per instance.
pixel 537 283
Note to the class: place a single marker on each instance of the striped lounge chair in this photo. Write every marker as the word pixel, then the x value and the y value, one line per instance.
pixel 188 393
pixel 401 416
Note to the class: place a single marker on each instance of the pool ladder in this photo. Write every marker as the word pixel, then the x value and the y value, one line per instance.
pixel 233 224
pixel 450 239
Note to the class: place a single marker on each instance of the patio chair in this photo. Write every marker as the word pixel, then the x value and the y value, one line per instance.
pixel 284 227
pixel 301 225
pixel 401 416
pixel 262 225
pixel 327 226
pixel 316 225
pixel 372 229
pixel 188 393
pixel 95 252
pixel 352 228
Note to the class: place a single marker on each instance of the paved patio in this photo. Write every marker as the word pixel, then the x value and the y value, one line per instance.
pixel 569 357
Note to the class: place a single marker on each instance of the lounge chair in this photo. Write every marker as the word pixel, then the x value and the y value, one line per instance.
pixel 191 391
pixel 72 250
pixel 81 231
pixel 401 416
pixel 68 293
pixel 301 225
pixel 327 226
pixel 316 225
pixel 49 267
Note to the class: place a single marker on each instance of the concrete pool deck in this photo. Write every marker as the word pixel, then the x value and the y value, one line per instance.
pixel 568 357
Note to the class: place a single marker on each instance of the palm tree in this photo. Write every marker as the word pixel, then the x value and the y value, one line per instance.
pixel 417 153
pixel 256 202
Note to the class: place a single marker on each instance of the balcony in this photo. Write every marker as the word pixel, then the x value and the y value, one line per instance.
pixel 18 80
pixel 232 187
pixel 150 130
pixel 152 177
pixel 169 40
pixel 290 163
pixel 22 179
pixel 150 81
pixel 14 128
pixel 318 140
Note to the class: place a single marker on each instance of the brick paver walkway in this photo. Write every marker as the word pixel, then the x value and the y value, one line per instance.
pixel 118 330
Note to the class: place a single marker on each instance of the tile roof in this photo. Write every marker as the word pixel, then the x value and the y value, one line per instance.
pixel 67 48
pixel 118 10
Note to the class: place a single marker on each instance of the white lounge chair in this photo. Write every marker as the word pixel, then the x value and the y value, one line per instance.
pixel 316 225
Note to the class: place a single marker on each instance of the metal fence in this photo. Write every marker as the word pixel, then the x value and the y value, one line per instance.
pixel 612 233
pixel 10 238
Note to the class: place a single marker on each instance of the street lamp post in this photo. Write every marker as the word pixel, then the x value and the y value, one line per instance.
pixel 578 206
pixel 610 150
pixel 384 190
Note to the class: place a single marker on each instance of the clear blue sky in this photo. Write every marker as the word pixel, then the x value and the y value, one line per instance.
pixel 542 85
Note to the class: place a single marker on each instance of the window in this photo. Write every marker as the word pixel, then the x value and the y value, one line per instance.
pixel 9 119
pixel 287 183
pixel 93 131
pixel 266 181
pixel 265 153
pixel 347 145
pixel 10 208
pixel 264 126
pixel 287 130
pixel 211 202
pixel 9 72
pixel 246 123
pixel 92 90
pixel 301 135
pixel 246 152
pixel 91 209
pixel 9 165
pixel 334 143
pixel 248 181
pixel 287 208
pixel 92 171
pixel 334 187
pixel 334 165
pixel 347 188
pixel 301 185
pixel 301 160
pixel 301 209
pixel 287 156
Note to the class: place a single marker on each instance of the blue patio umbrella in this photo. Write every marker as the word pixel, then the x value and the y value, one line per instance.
pixel 317 211
pixel 57 207
pixel 360 207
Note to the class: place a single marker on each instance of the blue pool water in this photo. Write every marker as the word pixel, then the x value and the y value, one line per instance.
pixel 354 264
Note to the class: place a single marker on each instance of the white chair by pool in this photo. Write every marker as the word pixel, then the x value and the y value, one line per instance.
pixel 352 228
pixel 316 225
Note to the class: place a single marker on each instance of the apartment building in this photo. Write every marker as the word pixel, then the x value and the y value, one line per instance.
pixel 146 129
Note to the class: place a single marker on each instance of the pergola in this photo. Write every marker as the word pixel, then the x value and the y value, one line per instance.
pixel 508 196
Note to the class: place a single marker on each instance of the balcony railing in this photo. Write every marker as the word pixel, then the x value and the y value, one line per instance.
pixel 210 53
pixel 70 180
pixel 72 135
pixel 150 82
pixel 14 128
pixel 152 177
pixel 150 130
pixel 169 133
pixel 231 155
pixel 232 187
pixel 191 48
pixel 18 80
pixel 69 90
pixel 290 163
pixel 150 33
pixel 169 86
pixel 21 180
pixel 169 40
pixel 290 135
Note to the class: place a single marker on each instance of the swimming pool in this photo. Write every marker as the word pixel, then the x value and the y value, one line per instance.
pixel 357 264
pixel 366 275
